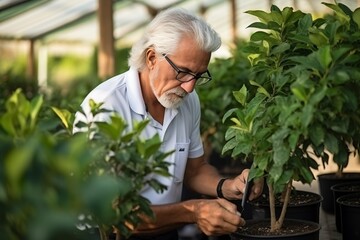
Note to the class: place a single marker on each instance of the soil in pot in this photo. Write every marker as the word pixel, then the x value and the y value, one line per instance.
pixel 329 179
pixel 292 229
pixel 303 205
pixel 340 190
pixel 350 213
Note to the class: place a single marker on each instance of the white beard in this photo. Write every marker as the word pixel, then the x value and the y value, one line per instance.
pixel 171 98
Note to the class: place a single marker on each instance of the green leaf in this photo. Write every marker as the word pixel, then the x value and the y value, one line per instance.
pixel 318 38
pixel 16 164
pixel 259 25
pixel 151 146
pixel 260 89
pixel 342 157
pixel 276 15
pixel 140 126
pixel 229 145
pixel 299 92
pixel 306 174
pixel 331 143
pixel 318 95
pixel 304 24
pixel 259 36
pixel 281 154
pixel 356 17
pixel 275 172
pixel 280 48
pixel 36 104
pixel 293 140
pixel 324 56
pixel 343 17
pixel 8 124
pixel 317 135
pixel 262 15
pixel 65 117
pixel 241 95
pixel 228 114
pixel 230 133
pixel 307 115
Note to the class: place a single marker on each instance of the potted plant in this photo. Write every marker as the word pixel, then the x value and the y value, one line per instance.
pixel 342 136
pixel 215 97
pixel 302 104
pixel 54 183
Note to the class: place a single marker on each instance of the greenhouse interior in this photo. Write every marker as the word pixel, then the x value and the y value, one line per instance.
pixel 294 63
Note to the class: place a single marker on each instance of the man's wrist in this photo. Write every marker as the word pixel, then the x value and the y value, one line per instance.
pixel 219 191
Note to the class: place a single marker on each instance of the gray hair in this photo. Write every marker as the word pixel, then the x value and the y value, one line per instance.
pixel 165 32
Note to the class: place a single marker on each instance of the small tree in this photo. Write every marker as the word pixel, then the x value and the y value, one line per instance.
pixel 124 157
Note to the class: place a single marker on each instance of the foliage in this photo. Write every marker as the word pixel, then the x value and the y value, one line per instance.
pixel 216 96
pixel 302 103
pixel 50 177
pixel 126 157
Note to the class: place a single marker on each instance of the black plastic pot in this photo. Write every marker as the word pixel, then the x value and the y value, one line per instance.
pixel 326 181
pixel 340 190
pixel 305 210
pixel 312 233
pixel 350 213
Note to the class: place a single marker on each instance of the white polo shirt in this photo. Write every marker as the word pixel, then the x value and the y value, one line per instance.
pixel 180 130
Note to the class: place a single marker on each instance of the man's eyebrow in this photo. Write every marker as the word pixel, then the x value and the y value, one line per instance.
pixel 185 69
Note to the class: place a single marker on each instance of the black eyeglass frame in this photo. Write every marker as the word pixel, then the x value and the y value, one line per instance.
pixel 206 79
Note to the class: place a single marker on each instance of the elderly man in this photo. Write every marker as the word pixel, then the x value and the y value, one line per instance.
pixel 166 64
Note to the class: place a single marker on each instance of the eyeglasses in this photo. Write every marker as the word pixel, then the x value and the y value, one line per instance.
pixel 184 76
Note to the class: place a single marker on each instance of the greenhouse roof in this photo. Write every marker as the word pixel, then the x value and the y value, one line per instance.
pixel 64 20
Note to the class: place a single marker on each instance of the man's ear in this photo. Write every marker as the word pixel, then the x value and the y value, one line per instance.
pixel 150 58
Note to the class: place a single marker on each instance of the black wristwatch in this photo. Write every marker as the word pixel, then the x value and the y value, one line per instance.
pixel 219 188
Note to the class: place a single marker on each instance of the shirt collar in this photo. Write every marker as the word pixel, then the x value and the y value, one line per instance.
pixel 134 94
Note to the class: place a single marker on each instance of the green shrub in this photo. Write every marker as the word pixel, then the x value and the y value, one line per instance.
pixel 49 176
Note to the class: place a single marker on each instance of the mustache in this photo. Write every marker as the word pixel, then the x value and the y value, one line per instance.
pixel 178 91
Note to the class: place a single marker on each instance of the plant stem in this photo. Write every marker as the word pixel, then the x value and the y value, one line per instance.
pixel 103 233
pixel 285 204
pixel 272 207
pixel 276 224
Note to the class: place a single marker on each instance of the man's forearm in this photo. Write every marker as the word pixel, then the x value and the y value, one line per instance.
pixel 204 180
pixel 167 218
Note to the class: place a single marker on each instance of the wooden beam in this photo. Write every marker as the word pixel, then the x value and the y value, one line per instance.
pixel 30 66
pixel 106 56
pixel 233 20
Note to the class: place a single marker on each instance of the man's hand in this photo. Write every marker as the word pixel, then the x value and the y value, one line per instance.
pixel 217 217
pixel 234 188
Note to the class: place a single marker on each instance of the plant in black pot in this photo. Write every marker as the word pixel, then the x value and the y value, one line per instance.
pixel 302 104
pixel 341 137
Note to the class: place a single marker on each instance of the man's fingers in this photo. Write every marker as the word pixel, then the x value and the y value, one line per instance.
pixel 230 207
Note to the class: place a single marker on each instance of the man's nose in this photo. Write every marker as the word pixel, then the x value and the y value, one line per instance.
pixel 189 86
